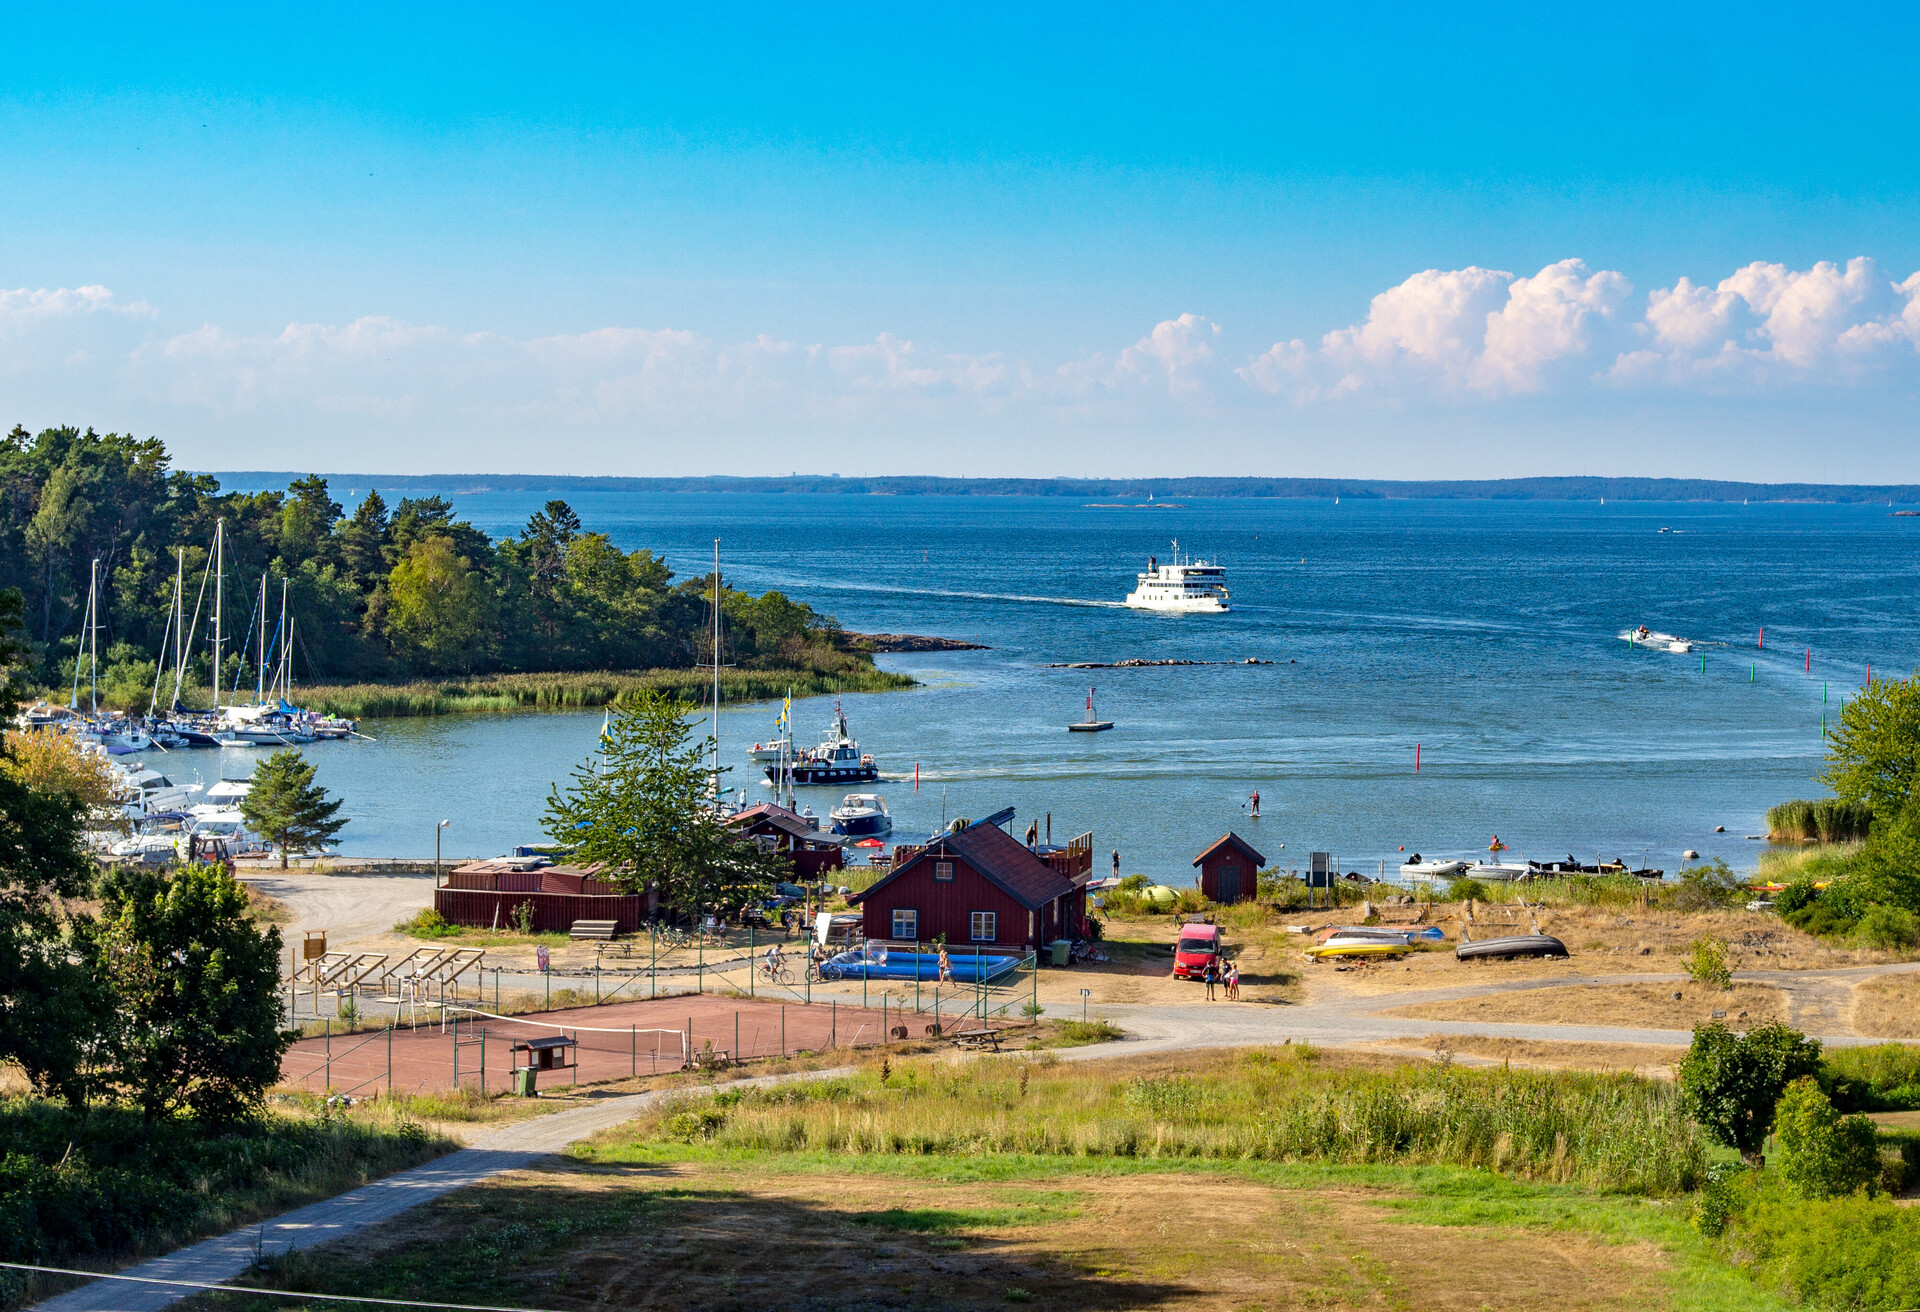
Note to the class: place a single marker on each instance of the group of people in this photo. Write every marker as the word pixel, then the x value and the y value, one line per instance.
pixel 1219 974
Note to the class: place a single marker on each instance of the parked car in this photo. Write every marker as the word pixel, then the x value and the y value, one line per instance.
pixel 1197 947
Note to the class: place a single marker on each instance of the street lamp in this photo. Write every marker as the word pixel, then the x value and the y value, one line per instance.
pixel 437 830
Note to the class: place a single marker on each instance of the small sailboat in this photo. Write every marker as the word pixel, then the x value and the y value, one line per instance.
pixel 1090 724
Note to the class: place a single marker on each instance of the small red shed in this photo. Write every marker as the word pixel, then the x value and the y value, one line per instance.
pixel 1229 870
pixel 776 829
pixel 979 886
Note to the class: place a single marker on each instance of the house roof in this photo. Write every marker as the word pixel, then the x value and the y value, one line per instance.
pixel 778 817
pixel 1001 859
pixel 1238 844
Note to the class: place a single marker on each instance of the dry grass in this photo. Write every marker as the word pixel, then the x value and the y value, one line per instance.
pixel 1650 1060
pixel 1888 1007
pixel 1640 1006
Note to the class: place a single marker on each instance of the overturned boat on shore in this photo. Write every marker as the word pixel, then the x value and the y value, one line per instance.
pixel 1509 947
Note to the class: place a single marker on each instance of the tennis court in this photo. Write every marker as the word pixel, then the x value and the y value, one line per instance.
pixel 611 1042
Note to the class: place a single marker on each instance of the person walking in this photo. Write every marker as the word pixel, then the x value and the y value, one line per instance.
pixel 1233 982
pixel 1212 976
pixel 946 966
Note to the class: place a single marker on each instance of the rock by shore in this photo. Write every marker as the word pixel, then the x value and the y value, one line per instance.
pixel 889 642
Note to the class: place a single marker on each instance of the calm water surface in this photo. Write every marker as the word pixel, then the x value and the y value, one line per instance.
pixel 1483 632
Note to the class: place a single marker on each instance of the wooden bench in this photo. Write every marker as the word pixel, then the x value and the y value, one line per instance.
pixel 977 1040
pixel 593 929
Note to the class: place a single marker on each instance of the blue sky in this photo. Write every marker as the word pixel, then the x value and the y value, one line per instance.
pixel 1389 241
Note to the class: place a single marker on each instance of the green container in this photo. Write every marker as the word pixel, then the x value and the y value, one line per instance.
pixel 523 1082
pixel 1061 949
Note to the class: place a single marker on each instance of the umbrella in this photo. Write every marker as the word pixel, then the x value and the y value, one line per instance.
pixel 869 842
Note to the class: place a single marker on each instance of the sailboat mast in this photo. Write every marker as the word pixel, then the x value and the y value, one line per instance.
pixel 283 638
pixel 179 615
pixel 93 638
pixel 716 669
pixel 260 651
pixel 219 578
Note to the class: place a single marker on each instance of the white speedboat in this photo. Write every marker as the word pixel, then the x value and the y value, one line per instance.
pixel 148 792
pixel 861 815
pixel 1182 587
pixel 1646 637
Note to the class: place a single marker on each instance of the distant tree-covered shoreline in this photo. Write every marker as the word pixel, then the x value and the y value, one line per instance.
pixel 390 592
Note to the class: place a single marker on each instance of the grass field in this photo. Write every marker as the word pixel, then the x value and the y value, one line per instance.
pixel 798 1199
pixel 565 692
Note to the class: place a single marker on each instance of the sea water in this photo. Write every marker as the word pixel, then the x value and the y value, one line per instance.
pixel 1484 633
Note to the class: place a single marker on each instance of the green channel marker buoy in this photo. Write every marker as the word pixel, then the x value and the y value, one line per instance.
pixel 1823 693
pixel 1751 670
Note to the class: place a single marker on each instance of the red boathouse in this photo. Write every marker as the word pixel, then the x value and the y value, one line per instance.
pixel 776 829
pixel 1229 870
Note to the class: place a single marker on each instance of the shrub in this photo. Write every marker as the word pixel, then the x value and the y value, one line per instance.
pixel 1716 1204
pixel 1889 928
pixel 1795 898
pixel 1884 1077
pixel 1709 964
pixel 1462 889
pixel 424 923
pixel 522 917
pixel 1854 1252
pixel 1822 1153
pixel 1707 886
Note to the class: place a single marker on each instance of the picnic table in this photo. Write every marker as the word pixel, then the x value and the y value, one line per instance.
pixel 977 1040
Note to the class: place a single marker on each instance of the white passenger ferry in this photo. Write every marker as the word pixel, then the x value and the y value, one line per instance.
pixel 1183 585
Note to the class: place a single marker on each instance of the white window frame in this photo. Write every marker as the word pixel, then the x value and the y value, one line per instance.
pixel 911 918
pixel 990 920
pixel 943 872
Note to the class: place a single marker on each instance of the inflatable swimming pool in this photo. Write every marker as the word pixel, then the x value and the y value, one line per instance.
pixel 885 963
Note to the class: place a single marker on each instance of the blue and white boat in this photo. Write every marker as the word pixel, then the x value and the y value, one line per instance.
pixel 861 815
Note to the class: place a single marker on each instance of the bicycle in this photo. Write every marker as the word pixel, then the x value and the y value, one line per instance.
pixel 776 972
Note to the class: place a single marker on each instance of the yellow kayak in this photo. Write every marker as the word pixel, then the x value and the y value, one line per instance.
pixel 1358 948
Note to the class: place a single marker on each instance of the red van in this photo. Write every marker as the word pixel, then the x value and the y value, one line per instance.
pixel 1199 946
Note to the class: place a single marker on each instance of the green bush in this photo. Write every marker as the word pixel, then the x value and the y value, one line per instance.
pixel 424 923
pixel 1709 964
pixel 1462 889
pixel 1854 1252
pixel 1883 1077
pixel 1712 885
pixel 1715 1205
pixel 1795 898
pixel 1889 928
pixel 1823 1154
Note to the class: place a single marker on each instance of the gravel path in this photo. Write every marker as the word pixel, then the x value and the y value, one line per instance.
pixel 349 907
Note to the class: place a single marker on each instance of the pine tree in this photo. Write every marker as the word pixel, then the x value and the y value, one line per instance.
pixel 287 807
pixel 641 809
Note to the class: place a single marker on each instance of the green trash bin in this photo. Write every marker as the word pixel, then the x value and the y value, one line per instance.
pixel 523 1082
pixel 1061 949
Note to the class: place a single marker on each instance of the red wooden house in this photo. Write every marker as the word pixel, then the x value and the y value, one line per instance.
pixel 777 829
pixel 1229 870
pixel 979 886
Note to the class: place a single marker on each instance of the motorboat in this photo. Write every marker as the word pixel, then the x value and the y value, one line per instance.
pixel 1495 870
pixel 149 792
pixel 1185 586
pixel 1385 933
pixel 1421 870
pixel 1646 637
pixel 1340 946
pixel 836 760
pixel 860 815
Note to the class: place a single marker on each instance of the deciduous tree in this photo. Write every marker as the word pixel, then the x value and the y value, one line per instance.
pixel 1730 1083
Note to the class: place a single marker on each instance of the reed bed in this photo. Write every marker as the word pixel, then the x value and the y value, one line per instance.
pixel 1610 1131
pixel 1828 820
pixel 583 691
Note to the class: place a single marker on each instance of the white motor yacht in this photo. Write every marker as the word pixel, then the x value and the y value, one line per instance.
pixel 861 815
pixel 1184 586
